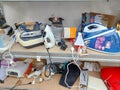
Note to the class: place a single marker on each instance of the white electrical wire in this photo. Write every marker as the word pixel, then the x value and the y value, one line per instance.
pixel 75 59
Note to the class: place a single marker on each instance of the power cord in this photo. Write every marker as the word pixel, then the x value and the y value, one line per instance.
pixel 49 55
pixel 75 58
pixel 17 83
pixel 49 68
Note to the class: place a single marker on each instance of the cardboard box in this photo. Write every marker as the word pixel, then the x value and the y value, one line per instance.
pixel 107 19
pixel 70 32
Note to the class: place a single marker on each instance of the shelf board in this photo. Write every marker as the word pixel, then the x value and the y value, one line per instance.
pixel 20 52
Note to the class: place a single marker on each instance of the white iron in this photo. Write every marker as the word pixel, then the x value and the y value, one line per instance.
pixel 49 39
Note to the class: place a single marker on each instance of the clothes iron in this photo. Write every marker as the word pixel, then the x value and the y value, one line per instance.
pixel 20 69
pixel 49 39
pixel 57 29
pixel 56 21
pixel 102 39
pixel 30 37
pixel 93 29
pixel 4 64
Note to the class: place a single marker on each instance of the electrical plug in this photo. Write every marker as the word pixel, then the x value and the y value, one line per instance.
pixel 72 49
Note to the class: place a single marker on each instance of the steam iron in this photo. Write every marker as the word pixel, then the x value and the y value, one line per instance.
pixel 49 39
pixel 6 42
pixel 93 29
pixel 30 38
pixel 102 39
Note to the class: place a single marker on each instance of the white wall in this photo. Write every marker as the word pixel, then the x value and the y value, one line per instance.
pixel 70 11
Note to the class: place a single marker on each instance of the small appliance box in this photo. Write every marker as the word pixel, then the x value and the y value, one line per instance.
pixel 70 32
pixel 108 19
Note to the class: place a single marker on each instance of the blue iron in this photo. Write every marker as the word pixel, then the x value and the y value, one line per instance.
pixel 101 39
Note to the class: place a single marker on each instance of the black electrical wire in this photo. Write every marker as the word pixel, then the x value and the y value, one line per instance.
pixel 13 88
pixel 49 66
pixel 15 84
pixel 49 55
pixel 25 84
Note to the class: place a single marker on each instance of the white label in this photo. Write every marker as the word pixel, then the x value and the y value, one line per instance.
pixel 66 32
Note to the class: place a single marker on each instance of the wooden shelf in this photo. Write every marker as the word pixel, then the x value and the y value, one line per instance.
pixel 55 52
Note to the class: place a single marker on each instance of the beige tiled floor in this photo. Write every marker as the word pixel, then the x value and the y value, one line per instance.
pixel 52 84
